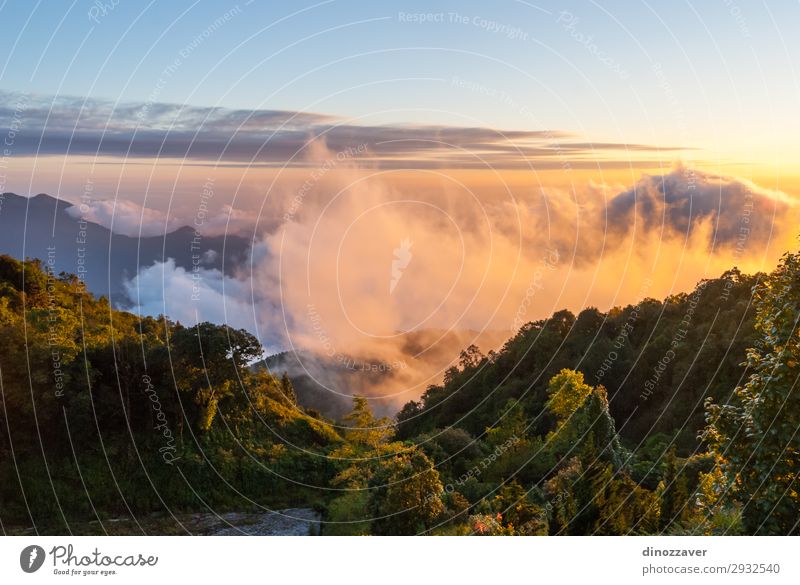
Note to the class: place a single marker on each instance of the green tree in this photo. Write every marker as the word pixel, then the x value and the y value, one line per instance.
pixel 585 424
pixel 675 504
pixel 288 389
pixel 364 431
pixel 517 514
pixel 755 434
pixel 567 392
pixel 406 495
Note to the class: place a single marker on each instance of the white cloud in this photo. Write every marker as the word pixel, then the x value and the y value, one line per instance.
pixel 125 217
pixel 228 220
pixel 191 296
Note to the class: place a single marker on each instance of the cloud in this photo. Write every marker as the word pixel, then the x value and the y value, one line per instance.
pixel 278 138
pixel 327 283
pixel 681 202
pixel 125 217
pixel 230 221
pixel 192 296
pixel 706 211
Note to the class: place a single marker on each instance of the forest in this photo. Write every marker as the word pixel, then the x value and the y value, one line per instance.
pixel 674 416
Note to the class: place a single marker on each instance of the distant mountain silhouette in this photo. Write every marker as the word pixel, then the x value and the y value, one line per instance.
pixel 40 227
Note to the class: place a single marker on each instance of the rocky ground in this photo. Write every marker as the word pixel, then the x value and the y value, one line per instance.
pixel 291 522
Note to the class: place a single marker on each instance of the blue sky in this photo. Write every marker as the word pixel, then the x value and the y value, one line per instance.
pixel 726 84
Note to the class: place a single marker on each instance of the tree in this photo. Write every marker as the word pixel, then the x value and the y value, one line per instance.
pixel 347 514
pixel 567 392
pixel 517 514
pixel 624 507
pixel 406 495
pixel 288 389
pixel 566 500
pixel 470 357
pixel 509 442
pixel 363 429
pixel 756 433
pixel 675 504
pixel 409 422
pixel 208 363
pixel 584 421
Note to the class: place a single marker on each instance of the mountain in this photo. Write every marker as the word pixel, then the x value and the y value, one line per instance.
pixel 40 227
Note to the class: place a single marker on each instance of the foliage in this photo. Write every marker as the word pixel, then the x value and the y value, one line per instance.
pixel 622 350
pixel 755 432
pixel 406 495
pixel 587 424
pixel 611 446
pixel 390 487
pixel 567 392
pixel 112 414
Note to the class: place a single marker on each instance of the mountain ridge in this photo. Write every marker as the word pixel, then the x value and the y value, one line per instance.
pixel 40 226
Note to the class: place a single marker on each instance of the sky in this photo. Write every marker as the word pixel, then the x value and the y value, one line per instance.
pixel 413 166
pixel 715 75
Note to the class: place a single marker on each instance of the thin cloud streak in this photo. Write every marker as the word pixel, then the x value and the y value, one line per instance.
pixel 78 126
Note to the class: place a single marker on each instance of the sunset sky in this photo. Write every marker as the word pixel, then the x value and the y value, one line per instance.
pixel 535 157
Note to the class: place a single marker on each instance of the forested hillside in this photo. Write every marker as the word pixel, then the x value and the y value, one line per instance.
pixel 104 413
pixel 658 361
pixel 647 419
pixel 675 416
